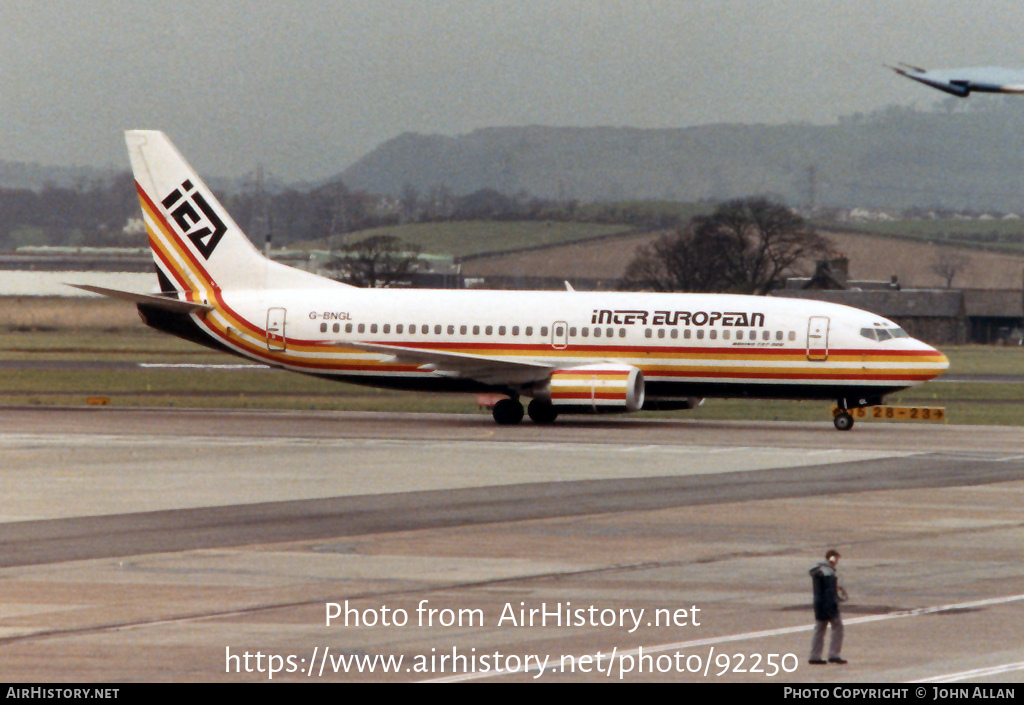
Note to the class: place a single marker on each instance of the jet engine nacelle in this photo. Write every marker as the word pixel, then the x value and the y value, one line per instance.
pixel 595 389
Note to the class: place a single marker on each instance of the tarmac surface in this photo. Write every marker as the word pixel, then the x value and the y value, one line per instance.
pixel 167 545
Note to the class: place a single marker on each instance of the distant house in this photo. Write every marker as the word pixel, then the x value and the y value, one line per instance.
pixel 834 273
pixel 994 315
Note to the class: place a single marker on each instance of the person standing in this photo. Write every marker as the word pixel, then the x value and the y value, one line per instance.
pixel 827 596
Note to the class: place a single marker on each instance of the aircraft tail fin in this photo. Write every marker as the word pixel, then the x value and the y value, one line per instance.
pixel 197 246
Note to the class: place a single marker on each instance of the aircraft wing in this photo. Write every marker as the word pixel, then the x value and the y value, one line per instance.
pixel 963 82
pixel 484 368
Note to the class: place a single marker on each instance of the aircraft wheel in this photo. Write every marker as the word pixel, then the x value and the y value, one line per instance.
pixel 507 412
pixel 542 412
pixel 843 421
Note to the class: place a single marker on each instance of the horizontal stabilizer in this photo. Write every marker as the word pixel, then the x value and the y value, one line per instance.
pixel 164 302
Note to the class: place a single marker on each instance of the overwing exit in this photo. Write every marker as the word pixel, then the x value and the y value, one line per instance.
pixel 963 82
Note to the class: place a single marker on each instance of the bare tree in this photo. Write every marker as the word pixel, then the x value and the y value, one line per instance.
pixel 377 261
pixel 747 245
pixel 948 264
pixel 669 264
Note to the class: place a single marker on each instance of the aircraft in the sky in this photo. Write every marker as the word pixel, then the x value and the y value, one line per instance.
pixel 568 351
pixel 963 82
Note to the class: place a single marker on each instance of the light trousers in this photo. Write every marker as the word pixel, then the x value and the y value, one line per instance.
pixel 818 640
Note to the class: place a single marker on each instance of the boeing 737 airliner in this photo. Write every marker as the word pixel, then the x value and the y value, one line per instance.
pixel 568 351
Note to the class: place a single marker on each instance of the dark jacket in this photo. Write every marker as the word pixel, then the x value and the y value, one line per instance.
pixel 826 592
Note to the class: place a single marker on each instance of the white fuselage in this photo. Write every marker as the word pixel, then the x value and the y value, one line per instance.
pixel 685 344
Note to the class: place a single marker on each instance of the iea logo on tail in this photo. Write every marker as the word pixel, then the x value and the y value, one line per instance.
pixel 204 230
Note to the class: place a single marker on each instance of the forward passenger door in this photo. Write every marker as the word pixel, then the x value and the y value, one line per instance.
pixel 817 338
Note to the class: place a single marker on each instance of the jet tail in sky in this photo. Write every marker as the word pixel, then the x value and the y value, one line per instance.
pixel 963 82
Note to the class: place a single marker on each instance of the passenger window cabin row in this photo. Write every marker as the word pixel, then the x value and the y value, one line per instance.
pixel 726 334
pixel 414 329
pixel 559 331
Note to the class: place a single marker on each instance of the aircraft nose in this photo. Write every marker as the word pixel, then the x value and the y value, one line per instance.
pixel 935 360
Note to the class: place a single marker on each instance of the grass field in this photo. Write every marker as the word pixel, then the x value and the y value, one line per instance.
pixel 973 402
pixel 461 238
pixel 1000 235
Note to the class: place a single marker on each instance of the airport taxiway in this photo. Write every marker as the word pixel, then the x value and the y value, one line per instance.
pixel 158 544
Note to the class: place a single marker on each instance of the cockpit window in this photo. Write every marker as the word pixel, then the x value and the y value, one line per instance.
pixel 881 334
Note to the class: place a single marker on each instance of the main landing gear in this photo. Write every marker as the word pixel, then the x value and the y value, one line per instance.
pixel 509 412
pixel 542 412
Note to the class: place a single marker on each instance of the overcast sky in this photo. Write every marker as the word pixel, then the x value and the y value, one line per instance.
pixel 308 86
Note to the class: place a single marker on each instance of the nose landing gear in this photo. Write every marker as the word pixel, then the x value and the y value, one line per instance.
pixel 843 421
